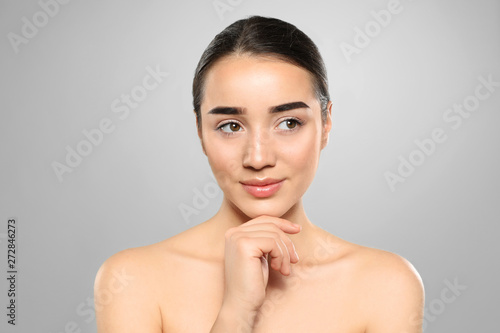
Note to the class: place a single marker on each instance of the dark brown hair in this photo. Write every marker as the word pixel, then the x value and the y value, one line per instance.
pixel 257 35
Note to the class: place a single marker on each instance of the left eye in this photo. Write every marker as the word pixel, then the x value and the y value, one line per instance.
pixel 230 127
pixel 288 124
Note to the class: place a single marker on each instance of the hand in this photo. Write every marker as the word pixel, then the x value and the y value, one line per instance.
pixel 248 248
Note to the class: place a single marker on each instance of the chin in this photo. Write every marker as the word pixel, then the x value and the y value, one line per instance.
pixel 270 208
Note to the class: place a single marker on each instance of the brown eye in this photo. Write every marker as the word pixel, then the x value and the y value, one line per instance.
pixel 230 127
pixel 289 124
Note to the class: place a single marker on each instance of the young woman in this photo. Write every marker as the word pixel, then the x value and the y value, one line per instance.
pixel 263 114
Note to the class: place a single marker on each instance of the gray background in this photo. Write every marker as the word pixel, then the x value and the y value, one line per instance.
pixel 128 191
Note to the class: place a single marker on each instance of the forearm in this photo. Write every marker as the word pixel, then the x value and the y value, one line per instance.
pixel 231 319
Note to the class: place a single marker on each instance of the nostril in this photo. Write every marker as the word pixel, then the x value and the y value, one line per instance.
pixel 258 157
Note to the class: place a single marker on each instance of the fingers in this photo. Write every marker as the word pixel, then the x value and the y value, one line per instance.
pixel 285 267
pixel 284 225
pixel 273 227
pixel 271 243
pixel 267 235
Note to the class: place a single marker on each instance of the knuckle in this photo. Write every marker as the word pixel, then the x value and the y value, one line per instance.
pixel 278 245
pixel 273 226
pixel 276 235
pixel 244 242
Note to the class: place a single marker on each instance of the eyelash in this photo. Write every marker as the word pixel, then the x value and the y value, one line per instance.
pixel 297 121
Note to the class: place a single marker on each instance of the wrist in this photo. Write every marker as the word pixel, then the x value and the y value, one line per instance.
pixel 234 318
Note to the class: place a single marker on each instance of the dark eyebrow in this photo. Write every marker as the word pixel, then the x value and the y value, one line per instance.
pixel 288 106
pixel 274 109
pixel 226 110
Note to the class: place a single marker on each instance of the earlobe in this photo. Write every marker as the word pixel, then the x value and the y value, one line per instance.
pixel 327 126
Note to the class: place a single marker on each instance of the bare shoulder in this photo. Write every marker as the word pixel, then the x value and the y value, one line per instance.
pixel 391 291
pixel 130 262
pixel 142 265
pixel 384 287
pixel 124 293
pixel 374 267
pixel 383 267
pixel 142 270
pixel 129 283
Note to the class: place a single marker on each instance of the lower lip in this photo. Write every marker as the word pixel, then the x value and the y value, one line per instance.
pixel 263 191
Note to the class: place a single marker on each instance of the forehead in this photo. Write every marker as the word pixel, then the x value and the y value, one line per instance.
pixel 245 80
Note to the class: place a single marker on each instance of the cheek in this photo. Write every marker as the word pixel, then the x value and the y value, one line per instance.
pixel 303 153
pixel 223 161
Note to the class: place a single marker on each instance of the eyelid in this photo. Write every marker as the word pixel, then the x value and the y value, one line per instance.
pixel 228 121
pixel 299 123
pixel 223 123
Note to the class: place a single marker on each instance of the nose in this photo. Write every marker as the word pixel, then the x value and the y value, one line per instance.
pixel 258 151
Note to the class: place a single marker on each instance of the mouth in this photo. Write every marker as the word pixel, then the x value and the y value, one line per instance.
pixel 262 188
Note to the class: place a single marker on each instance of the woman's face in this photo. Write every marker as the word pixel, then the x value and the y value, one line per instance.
pixel 262 132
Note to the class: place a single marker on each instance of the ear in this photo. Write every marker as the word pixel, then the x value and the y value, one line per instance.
pixel 327 126
pixel 200 134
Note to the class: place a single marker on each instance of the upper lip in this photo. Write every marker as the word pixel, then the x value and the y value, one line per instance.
pixel 261 182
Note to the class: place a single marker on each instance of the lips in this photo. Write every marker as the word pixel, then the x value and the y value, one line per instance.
pixel 262 188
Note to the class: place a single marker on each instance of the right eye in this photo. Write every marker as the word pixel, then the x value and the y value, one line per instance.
pixel 230 127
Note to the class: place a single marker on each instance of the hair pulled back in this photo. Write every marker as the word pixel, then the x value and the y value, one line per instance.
pixel 264 36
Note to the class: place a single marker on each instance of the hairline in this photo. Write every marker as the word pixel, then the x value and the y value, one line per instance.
pixel 263 55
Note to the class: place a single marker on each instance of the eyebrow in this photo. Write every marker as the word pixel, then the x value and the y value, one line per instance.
pixel 274 109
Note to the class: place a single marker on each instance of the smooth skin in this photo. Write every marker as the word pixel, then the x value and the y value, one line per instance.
pixel 259 265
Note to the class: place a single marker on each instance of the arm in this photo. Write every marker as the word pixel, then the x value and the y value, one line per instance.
pixel 122 299
pixel 251 249
pixel 232 319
